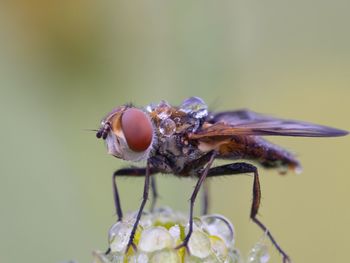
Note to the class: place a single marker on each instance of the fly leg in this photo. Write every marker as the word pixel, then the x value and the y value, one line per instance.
pixel 123 172
pixel 131 172
pixel 138 217
pixel 154 193
pixel 205 200
pixel 240 168
pixel 193 199
pixel 201 162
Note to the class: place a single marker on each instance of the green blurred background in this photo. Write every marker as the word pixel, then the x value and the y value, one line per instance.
pixel 64 64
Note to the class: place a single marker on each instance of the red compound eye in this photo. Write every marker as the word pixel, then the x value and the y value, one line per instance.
pixel 137 128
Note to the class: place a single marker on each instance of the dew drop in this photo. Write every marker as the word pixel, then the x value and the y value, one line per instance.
pixel 192 259
pixel 164 215
pixel 146 220
pixel 197 223
pixel 163 110
pixel 199 244
pixel 175 232
pixel 195 124
pixel 150 107
pixel 195 106
pixel 167 127
pixel 212 258
pixel 219 248
pixel 138 258
pixel 119 258
pixel 155 238
pixel 259 254
pixel 217 225
pixel 234 257
pixel 119 235
pixel 165 255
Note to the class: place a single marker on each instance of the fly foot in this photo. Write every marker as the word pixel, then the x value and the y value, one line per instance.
pixel 185 244
pixel 131 244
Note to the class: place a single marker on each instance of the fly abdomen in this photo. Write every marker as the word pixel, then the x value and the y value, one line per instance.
pixel 276 157
pixel 261 151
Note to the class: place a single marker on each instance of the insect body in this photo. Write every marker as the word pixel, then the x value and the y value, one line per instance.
pixel 186 140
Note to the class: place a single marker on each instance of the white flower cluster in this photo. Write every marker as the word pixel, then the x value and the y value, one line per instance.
pixel 159 233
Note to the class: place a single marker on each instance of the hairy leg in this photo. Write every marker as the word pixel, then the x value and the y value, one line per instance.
pixel 143 203
pixel 154 193
pixel 123 172
pixel 205 200
pixel 193 199
pixel 240 168
pixel 132 172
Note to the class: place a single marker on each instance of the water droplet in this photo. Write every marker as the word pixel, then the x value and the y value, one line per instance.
pixel 164 215
pixel 192 259
pixel 175 232
pixel 195 106
pixel 195 124
pixel 197 223
pixel 150 107
pixel 119 235
pixel 212 259
pixel 217 225
pixel 163 110
pixel 259 254
pixel 234 257
pixel 219 248
pixel 118 258
pixel 155 238
pixel 138 258
pixel 209 259
pixel 167 127
pixel 165 255
pixel 199 244
pixel 146 220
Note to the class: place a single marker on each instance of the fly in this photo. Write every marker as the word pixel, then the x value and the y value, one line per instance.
pixel 185 141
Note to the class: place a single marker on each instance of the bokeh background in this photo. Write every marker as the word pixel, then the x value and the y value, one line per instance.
pixel 64 64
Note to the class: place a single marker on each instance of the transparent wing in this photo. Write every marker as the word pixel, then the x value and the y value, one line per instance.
pixel 245 122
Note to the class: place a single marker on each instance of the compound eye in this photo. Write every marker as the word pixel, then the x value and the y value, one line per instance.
pixel 137 129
